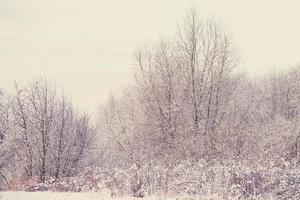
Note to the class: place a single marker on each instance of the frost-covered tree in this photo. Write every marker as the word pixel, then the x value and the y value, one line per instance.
pixel 6 140
pixel 52 137
pixel 182 94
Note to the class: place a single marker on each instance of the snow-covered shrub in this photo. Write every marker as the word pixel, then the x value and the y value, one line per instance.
pixel 228 179
pixel 287 184
pixel 89 180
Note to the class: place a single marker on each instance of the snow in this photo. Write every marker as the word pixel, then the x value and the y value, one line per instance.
pixel 64 196
pixel 80 196
pixel 54 196
pixel 50 196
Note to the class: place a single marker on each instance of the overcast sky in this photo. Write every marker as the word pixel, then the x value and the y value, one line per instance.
pixel 86 47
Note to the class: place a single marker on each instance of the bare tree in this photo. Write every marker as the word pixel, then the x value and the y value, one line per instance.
pixel 6 147
pixel 208 58
pixel 54 136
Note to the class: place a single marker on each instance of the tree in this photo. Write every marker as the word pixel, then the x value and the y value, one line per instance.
pixel 181 101
pixel 52 136
pixel 6 149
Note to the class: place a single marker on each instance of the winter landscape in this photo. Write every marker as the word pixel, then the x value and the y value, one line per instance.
pixel 107 100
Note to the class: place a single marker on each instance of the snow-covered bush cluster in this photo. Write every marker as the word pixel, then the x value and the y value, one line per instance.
pixel 228 179
pixel 86 181
pixel 222 180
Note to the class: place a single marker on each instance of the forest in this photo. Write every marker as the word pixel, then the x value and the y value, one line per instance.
pixel 191 124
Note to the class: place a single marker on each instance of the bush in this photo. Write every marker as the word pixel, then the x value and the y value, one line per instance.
pixel 226 180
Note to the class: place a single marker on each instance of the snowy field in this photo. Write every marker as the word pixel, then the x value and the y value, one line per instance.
pixel 66 196
pixel 51 196
pixel 54 196
pixel 82 196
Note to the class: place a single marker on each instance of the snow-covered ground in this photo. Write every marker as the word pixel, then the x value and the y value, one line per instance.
pixel 82 196
pixel 51 196
pixel 65 196
pixel 55 196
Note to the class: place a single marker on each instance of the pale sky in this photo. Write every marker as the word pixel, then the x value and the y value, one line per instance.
pixel 86 47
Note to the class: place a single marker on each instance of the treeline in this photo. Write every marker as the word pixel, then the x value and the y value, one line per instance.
pixel 188 109
pixel 189 102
